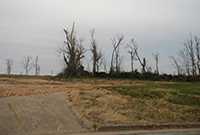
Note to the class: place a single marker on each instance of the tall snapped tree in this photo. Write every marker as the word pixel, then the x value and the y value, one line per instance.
pixel 131 52
pixel 142 61
pixel 156 58
pixel 37 66
pixel 115 58
pixel 27 64
pixel 9 65
pixel 96 54
pixel 189 48
pixel 197 48
pixel 73 52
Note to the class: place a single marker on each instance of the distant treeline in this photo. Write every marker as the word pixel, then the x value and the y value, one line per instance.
pixel 186 63
pixel 28 64
pixel 132 75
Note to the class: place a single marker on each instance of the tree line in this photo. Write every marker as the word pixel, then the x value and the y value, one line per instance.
pixel 28 64
pixel 186 63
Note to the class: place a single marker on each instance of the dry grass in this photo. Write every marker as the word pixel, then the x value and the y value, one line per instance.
pixel 103 102
pixel 105 107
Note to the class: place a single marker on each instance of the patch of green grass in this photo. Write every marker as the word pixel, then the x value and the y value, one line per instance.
pixel 140 92
pixel 184 88
pixel 185 100
pixel 182 93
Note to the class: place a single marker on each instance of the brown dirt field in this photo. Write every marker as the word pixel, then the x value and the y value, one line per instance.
pixel 96 105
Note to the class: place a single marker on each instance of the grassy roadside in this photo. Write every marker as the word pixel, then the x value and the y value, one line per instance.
pixel 176 92
pixel 139 102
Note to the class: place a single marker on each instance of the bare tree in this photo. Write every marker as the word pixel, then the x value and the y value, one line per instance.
pixel 116 42
pixel 189 48
pixel 73 52
pixel 96 54
pixel 197 47
pixel 37 66
pixel 156 58
pixel 104 63
pixel 142 62
pixel 100 64
pixel 175 63
pixel 190 57
pixel 9 65
pixel 149 68
pixel 117 60
pixel 131 51
pixel 185 62
pixel 27 64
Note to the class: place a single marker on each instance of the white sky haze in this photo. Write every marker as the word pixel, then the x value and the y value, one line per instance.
pixel 35 27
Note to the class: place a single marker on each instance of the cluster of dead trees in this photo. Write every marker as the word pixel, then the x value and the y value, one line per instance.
pixel 186 64
pixel 187 61
pixel 73 52
pixel 28 64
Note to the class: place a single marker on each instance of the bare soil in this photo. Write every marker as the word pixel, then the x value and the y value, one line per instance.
pixel 37 115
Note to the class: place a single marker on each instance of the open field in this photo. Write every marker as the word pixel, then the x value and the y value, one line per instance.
pixel 100 102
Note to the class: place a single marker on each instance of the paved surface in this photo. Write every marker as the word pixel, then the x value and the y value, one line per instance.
pixel 150 132
pixel 37 115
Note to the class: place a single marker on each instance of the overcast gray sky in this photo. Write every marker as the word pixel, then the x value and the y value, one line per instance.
pixel 35 27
